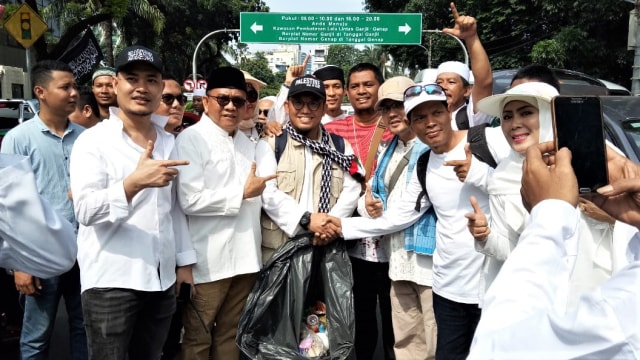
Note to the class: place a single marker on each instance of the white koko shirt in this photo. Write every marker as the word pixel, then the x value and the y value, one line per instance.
pixel 224 227
pixel 133 245
pixel 520 318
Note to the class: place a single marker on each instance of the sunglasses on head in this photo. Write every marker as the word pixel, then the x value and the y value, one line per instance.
pixel 264 112
pixel 170 98
pixel 225 100
pixel 429 89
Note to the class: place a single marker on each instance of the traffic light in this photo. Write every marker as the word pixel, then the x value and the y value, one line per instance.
pixel 25 24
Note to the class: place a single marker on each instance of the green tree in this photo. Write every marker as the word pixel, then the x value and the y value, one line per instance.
pixel 344 56
pixel 258 67
pixel 587 35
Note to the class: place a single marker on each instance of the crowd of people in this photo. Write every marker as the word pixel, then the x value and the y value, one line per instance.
pixel 468 241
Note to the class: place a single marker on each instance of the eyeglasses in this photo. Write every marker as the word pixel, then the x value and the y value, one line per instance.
pixel 225 100
pixel 170 98
pixel 416 90
pixel 391 105
pixel 252 95
pixel 313 105
pixel 264 112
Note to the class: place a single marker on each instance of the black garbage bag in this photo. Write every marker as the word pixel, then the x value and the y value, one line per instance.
pixel 295 277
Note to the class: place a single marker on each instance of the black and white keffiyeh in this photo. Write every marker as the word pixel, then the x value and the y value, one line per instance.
pixel 323 148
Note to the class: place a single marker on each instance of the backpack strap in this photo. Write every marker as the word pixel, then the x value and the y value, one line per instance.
pixel 421 168
pixel 399 169
pixel 477 139
pixel 462 118
pixel 338 142
pixel 281 143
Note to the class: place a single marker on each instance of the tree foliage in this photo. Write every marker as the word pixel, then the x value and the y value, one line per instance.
pixel 588 35
pixel 172 28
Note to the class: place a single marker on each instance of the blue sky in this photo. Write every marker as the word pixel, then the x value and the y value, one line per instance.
pixel 309 6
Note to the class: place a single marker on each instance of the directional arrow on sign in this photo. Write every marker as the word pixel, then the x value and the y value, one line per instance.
pixel 404 28
pixel 323 28
pixel 255 28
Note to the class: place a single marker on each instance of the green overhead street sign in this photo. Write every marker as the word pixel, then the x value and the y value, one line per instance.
pixel 331 28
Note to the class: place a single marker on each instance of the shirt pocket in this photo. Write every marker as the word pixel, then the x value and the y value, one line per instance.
pixel 337 181
pixel 286 180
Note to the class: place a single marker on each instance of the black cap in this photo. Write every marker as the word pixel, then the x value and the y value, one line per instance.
pixel 330 72
pixel 137 53
pixel 307 84
pixel 226 77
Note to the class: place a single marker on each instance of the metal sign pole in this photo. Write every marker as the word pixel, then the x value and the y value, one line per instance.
pixel 28 91
pixel 195 52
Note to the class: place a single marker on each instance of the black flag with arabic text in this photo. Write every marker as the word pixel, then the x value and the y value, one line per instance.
pixel 83 57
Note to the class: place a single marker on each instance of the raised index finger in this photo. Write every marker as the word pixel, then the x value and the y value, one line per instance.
pixel 474 204
pixel 454 11
pixel 304 63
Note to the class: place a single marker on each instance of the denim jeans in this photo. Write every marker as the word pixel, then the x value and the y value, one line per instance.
pixel 126 321
pixel 456 324
pixel 40 312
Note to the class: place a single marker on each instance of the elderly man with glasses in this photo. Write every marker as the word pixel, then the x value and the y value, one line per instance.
pixel 220 193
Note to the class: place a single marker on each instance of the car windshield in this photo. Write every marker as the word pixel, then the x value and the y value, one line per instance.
pixel 623 114
pixel 9 115
pixel 631 127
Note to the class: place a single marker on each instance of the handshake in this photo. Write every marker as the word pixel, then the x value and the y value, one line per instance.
pixel 326 228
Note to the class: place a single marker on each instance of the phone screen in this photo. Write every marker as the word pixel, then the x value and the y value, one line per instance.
pixel 579 127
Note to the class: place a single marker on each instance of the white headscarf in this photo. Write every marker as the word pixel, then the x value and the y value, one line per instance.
pixel 507 177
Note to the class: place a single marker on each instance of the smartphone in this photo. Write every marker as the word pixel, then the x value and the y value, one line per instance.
pixel 578 125
pixel 184 296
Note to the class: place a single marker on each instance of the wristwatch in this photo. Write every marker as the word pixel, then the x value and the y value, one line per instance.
pixel 305 220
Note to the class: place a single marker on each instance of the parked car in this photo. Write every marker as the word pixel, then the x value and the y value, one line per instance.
pixel 571 83
pixel 622 123
pixel 14 112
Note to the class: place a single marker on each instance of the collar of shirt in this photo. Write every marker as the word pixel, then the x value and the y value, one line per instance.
pixel 156 119
pixel 164 142
pixel 209 124
pixel 71 126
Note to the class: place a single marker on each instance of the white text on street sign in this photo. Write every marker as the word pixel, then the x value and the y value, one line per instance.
pixel 331 28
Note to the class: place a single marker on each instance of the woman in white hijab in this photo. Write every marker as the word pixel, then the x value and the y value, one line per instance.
pixel 525 119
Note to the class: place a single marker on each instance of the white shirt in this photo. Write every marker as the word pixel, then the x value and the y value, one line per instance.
pixel 133 245
pixel 326 118
pixel 224 227
pixel 284 210
pixel 34 238
pixel 520 320
pixel 456 264
pixel 403 265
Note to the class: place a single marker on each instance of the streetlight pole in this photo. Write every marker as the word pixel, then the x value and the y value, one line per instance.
pixel 195 52
pixel 464 48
